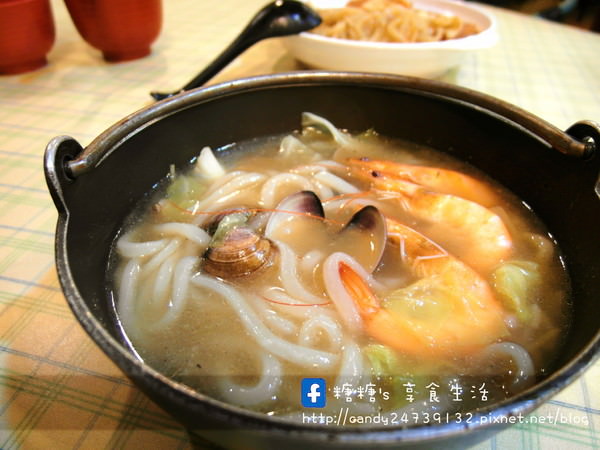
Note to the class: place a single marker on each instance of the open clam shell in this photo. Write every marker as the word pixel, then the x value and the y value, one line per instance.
pixel 363 237
pixel 366 234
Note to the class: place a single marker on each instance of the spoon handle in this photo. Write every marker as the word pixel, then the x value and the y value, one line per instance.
pixel 278 18
pixel 238 46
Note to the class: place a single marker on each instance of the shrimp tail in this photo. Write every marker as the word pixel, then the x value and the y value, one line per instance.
pixel 366 302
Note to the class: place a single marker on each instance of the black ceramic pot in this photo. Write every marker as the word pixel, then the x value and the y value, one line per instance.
pixel 94 189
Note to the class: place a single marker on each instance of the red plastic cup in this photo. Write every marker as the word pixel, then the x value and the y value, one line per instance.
pixel 122 30
pixel 26 35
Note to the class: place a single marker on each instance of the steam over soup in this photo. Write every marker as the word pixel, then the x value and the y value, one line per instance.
pixel 407 281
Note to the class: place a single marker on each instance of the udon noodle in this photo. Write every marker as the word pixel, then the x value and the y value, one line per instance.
pixel 388 270
pixel 391 21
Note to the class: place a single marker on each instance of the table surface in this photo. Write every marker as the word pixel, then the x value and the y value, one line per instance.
pixel 57 390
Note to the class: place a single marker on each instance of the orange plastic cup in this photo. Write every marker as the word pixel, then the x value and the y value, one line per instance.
pixel 26 35
pixel 122 30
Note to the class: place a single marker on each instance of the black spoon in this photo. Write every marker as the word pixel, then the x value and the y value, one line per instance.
pixel 279 18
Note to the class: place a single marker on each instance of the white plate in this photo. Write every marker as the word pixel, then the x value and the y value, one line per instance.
pixel 427 59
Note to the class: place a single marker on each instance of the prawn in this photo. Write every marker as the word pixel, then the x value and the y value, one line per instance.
pixel 445 181
pixel 465 227
pixel 449 310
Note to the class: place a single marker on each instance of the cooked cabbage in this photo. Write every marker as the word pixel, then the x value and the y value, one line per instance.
pixel 516 283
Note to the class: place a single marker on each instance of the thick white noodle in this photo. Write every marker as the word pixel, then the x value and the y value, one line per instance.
pixel 322 191
pixel 288 273
pixel 282 302
pixel 143 292
pixel 524 375
pixel 310 260
pixel 160 257
pixel 337 292
pixel 162 282
pixel 230 190
pixel 263 391
pixel 269 195
pixel 352 372
pixel 221 181
pixel 296 354
pixel 351 366
pixel 190 248
pixel 179 290
pixel 201 219
pixel 129 249
pixel 308 169
pixel 274 320
pixel 186 230
pixel 336 183
pixel 312 330
pixel 127 291
pixel 319 166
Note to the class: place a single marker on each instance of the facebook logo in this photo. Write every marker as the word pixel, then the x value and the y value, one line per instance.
pixel 313 392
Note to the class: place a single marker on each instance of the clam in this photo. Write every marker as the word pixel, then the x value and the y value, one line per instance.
pixel 363 237
pixel 365 234
pixel 293 208
pixel 239 252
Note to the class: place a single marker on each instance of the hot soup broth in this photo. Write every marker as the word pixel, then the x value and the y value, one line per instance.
pixel 409 282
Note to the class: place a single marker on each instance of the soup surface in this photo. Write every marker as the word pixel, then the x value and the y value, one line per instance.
pixel 352 273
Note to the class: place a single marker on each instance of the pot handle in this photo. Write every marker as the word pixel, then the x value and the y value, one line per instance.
pixel 588 133
pixel 59 152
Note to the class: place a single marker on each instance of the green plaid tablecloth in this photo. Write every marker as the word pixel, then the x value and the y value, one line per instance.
pixel 57 390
